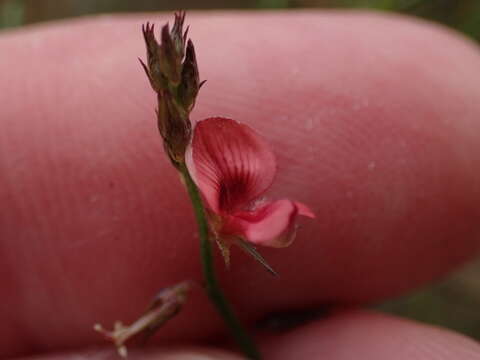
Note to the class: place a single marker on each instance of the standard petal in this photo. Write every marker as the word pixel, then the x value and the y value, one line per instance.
pixel 230 163
pixel 272 225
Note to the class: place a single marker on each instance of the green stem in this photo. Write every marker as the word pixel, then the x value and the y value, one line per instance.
pixel 212 286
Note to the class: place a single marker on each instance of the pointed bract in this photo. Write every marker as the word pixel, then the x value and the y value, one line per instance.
pixel 190 83
pixel 153 57
pixel 250 249
pixel 177 33
pixel 170 60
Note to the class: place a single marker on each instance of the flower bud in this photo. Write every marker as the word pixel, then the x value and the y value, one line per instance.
pixel 173 74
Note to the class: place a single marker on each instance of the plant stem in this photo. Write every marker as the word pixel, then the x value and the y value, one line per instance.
pixel 212 286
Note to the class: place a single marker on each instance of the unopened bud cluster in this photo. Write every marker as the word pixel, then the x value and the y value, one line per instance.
pixel 173 73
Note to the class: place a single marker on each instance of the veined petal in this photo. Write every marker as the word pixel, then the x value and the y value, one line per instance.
pixel 272 225
pixel 230 163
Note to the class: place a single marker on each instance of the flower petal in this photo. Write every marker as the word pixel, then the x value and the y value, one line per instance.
pixel 230 163
pixel 304 210
pixel 271 225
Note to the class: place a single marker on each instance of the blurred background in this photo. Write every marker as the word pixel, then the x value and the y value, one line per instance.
pixel 454 302
pixel 463 15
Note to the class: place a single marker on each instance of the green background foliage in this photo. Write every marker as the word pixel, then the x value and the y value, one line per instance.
pixel 454 302
pixel 463 15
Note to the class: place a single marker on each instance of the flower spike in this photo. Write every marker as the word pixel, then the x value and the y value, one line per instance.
pixel 172 70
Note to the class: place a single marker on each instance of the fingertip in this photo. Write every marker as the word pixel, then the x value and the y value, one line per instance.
pixel 370 335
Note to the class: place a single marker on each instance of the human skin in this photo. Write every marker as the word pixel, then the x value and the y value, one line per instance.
pixel 373 118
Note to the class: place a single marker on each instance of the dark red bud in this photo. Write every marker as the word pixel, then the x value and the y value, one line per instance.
pixel 173 74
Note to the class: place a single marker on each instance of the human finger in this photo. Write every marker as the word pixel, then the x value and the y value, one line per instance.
pixel 372 128
pixel 368 335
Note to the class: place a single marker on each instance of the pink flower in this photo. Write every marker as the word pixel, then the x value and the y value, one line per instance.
pixel 233 166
